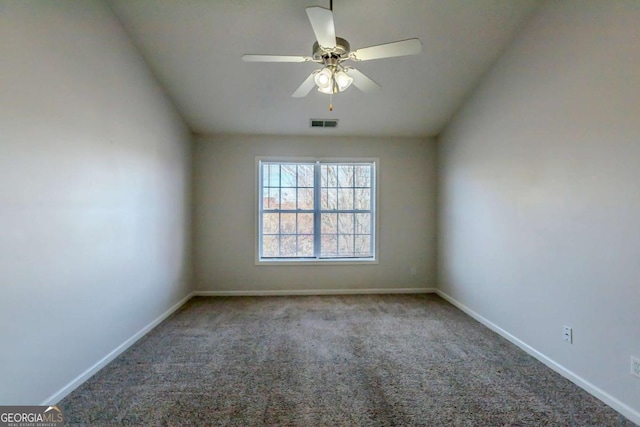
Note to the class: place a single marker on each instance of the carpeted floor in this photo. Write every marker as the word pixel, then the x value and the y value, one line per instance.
pixel 375 360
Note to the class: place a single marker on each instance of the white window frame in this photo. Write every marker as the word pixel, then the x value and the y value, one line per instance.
pixel 316 261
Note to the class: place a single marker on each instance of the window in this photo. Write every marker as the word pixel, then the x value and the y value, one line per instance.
pixel 316 210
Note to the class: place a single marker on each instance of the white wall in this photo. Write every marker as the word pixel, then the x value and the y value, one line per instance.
pixel 540 193
pixel 224 228
pixel 94 194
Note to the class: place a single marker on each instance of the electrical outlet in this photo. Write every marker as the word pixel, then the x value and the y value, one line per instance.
pixel 567 335
pixel 413 271
pixel 635 366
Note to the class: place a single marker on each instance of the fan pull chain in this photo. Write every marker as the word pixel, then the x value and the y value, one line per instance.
pixel 331 101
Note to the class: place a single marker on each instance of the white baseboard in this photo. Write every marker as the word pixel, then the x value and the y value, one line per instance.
pixel 60 394
pixel 619 406
pixel 293 292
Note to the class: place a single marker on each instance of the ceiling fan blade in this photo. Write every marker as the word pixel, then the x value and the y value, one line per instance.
pixel 361 81
pixel 306 86
pixel 388 50
pixel 275 58
pixel 322 23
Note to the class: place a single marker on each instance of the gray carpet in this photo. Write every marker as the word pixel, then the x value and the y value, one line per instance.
pixel 380 360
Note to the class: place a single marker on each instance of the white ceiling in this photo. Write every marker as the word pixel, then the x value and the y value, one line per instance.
pixel 194 49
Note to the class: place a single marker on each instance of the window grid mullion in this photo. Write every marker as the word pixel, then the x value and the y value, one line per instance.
pixel 353 221
pixel 296 202
pixel 261 207
pixel 317 215
pixel 372 204
pixel 279 234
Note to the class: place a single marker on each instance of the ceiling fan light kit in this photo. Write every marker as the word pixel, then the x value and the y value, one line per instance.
pixel 333 78
pixel 331 52
pixel 323 78
pixel 343 80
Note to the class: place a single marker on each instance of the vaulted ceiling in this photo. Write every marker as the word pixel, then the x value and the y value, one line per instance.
pixel 194 48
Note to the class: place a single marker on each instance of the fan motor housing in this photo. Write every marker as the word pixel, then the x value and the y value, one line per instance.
pixel 341 50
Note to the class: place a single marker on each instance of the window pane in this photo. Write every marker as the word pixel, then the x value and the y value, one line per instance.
pixel 288 246
pixel 345 176
pixel 270 223
pixel 345 244
pixel 305 223
pixel 270 199
pixel 363 246
pixel 306 175
pixel 329 175
pixel 345 223
pixel 362 176
pixel 274 175
pixel 329 223
pixel 363 223
pixel 305 198
pixel 329 246
pixel 288 199
pixel 288 223
pixel 288 175
pixel 305 246
pixel 345 199
pixel 329 199
pixel 363 199
pixel 270 247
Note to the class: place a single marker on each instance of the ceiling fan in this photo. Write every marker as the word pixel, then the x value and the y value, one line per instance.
pixel 333 52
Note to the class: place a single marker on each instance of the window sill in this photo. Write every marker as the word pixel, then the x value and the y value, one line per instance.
pixel 316 262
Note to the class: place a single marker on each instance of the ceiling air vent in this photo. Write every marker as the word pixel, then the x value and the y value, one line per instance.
pixel 324 123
